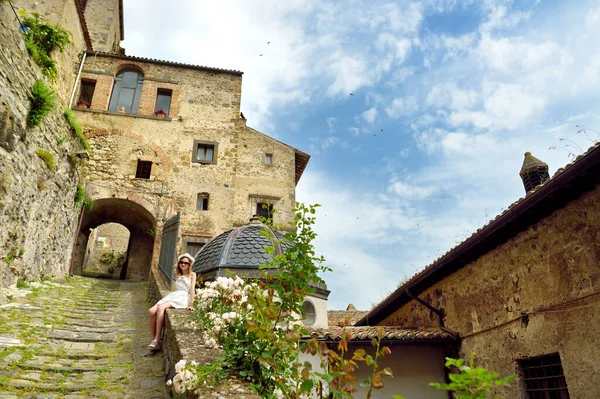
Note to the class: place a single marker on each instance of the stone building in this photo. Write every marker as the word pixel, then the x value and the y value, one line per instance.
pixel 166 138
pixel 523 291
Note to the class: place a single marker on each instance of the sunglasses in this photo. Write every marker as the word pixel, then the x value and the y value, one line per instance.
pixel 184 263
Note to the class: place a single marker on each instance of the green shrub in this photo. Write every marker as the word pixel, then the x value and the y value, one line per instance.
pixel 10 256
pixel 82 198
pixel 47 157
pixel 61 140
pixel 41 39
pixel 42 102
pixel 77 130
pixel 22 283
pixel 42 60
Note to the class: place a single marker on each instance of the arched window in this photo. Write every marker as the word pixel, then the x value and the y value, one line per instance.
pixel 127 91
pixel 309 314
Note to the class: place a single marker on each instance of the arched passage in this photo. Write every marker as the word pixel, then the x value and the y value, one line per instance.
pixel 141 224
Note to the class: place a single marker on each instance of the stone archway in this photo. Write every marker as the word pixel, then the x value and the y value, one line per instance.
pixel 141 224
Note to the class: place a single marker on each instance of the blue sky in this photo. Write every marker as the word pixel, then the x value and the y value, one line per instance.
pixel 416 113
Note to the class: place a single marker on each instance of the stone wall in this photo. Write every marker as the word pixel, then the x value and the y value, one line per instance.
pixel 534 295
pixel 102 17
pixel 37 211
pixel 63 13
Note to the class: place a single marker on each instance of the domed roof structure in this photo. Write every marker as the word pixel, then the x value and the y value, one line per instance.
pixel 242 248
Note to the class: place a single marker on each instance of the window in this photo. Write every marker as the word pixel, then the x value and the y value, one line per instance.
pixel 309 314
pixel 543 377
pixel 87 92
pixel 269 159
pixel 202 202
pixel 143 170
pixel 204 152
pixel 127 91
pixel 194 247
pixel 163 101
pixel 264 209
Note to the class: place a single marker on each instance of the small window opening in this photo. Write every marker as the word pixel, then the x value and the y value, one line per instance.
pixel 269 159
pixel 202 202
pixel 544 378
pixel 143 170
pixel 265 210
pixel 86 94
pixel 205 152
pixel 163 102
pixel 193 248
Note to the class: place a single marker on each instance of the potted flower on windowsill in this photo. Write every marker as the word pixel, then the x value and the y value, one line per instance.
pixel 83 104
pixel 159 113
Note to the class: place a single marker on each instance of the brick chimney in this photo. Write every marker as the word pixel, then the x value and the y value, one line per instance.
pixel 533 172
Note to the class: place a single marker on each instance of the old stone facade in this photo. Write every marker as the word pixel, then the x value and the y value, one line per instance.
pixel 38 216
pixel 532 298
pixel 204 111
pixel 197 157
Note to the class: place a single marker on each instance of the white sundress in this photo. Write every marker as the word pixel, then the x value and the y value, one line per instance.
pixel 180 298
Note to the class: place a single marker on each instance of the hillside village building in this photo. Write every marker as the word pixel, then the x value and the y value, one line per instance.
pixel 166 138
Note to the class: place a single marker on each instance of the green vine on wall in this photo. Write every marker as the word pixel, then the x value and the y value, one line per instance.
pixel 77 129
pixel 82 198
pixel 41 39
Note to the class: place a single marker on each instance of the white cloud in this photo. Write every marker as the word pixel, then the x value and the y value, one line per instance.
pixel 402 106
pixel 331 122
pixel 322 145
pixel 592 18
pixel 411 192
pixel 370 115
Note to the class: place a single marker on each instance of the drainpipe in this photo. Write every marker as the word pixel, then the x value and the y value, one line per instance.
pixel 77 79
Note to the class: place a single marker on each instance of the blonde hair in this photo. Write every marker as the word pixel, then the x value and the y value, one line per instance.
pixel 178 270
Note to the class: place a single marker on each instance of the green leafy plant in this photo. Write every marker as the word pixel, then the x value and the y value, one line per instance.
pixel 61 140
pixel 82 198
pixel 41 98
pixel 77 129
pixel 471 382
pixel 41 39
pixel 10 256
pixel 22 284
pixel 47 157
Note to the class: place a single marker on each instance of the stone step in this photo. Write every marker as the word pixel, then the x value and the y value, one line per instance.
pixel 45 387
pixel 82 336
pixel 71 355
pixel 58 369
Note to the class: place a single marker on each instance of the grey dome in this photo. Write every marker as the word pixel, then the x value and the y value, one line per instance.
pixel 240 248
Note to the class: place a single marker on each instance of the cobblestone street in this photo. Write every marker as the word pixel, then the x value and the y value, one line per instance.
pixel 81 338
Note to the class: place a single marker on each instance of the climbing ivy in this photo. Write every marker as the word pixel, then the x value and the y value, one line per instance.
pixel 41 38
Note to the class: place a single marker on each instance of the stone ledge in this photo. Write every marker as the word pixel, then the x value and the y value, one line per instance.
pixel 180 341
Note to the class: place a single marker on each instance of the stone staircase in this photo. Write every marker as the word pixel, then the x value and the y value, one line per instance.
pixel 78 339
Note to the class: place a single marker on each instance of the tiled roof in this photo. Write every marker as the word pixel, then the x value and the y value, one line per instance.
pixel 243 247
pixel 389 334
pixel 586 165
pixel 173 63
pixel 335 317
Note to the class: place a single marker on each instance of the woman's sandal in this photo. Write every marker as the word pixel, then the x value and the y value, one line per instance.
pixel 154 345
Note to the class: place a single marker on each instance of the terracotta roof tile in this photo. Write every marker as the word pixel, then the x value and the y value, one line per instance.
pixel 389 334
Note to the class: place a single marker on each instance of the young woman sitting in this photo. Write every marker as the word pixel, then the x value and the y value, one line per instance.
pixel 182 297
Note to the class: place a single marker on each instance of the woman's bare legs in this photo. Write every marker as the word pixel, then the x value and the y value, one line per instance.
pixel 156 318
